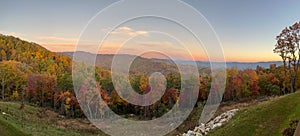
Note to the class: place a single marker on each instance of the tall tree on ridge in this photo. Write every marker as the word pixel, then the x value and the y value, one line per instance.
pixel 288 49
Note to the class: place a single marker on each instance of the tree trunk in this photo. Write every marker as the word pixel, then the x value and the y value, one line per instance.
pixel 231 90
pixel 293 86
pixel 294 77
pixel 290 77
pixel 3 86
pixel 22 101
pixel 54 101
pixel 42 103
pixel 285 76
pixel 296 68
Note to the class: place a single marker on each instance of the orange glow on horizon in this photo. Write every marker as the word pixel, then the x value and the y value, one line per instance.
pixel 197 57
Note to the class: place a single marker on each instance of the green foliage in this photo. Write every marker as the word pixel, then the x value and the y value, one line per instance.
pixel 65 82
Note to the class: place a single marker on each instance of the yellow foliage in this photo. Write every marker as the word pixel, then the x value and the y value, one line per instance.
pixel 68 100
pixel 15 95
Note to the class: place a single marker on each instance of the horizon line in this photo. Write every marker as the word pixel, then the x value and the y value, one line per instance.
pixel 175 59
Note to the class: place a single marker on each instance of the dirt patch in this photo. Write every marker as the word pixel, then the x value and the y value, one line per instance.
pixel 78 124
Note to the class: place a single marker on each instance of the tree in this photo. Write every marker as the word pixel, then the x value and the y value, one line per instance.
pixel 232 84
pixel 41 89
pixel 252 82
pixel 288 49
pixel 65 82
pixel 3 55
pixel 269 84
pixel 13 76
pixel 4 76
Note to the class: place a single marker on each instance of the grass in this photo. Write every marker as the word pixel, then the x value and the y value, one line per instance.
pixel 11 123
pixel 269 118
pixel 7 129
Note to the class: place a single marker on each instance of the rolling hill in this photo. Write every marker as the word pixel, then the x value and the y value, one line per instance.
pixel 268 118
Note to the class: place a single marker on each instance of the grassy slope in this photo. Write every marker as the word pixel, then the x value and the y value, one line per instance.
pixel 7 129
pixel 266 119
pixel 11 124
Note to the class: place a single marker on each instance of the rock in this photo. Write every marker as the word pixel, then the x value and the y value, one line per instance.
pixel 131 115
pixel 223 120
pixel 198 134
pixel 196 129
pixel 217 125
pixel 203 129
pixel 185 134
pixel 210 124
pixel 217 118
pixel 190 133
pixel 207 129
pixel 61 116
pixel 171 124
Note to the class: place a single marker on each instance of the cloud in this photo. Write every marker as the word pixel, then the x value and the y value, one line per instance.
pixel 161 45
pixel 128 31
pixel 125 28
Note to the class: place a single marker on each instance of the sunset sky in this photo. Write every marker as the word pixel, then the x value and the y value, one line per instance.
pixel 246 28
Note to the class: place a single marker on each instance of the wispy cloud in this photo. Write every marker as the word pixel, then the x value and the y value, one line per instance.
pixel 129 31
pixel 161 45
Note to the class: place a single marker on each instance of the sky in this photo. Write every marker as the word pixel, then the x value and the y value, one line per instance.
pixel 246 29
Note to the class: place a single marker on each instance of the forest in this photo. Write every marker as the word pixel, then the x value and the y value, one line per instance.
pixel 30 74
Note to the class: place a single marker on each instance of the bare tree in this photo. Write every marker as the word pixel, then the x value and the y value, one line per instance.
pixel 288 49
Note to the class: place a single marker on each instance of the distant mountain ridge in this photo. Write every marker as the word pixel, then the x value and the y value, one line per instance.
pixel 104 60
pixel 238 65
pixel 140 64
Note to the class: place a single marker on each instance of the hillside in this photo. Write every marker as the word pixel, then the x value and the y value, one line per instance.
pixel 269 118
pixel 40 121
pixel 33 55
